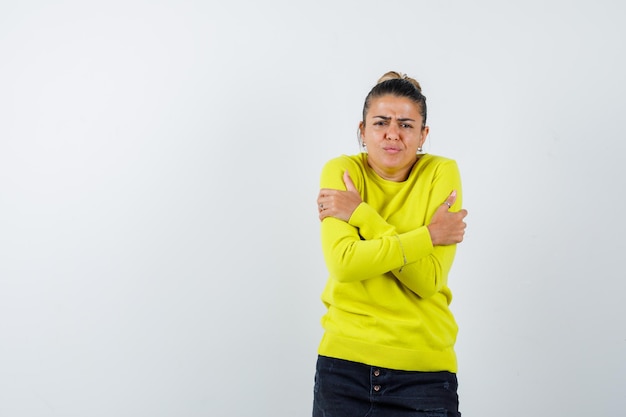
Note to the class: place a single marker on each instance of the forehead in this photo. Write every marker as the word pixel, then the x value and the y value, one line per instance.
pixel 394 106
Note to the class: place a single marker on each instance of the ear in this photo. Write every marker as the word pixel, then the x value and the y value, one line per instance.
pixel 425 131
pixel 360 133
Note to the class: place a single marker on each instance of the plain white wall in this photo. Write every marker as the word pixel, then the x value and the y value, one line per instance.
pixel 159 164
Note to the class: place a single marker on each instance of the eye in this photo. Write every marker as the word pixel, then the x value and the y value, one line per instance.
pixel 406 125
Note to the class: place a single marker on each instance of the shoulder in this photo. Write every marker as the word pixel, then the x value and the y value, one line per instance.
pixel 345 162
pixel 332 172
pixel 430 162
pixel 430 159
pixel 354 164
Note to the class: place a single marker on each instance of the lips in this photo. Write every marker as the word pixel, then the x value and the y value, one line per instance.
pixel 391 150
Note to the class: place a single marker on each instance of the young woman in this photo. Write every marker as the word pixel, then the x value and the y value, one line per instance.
pixel 390 220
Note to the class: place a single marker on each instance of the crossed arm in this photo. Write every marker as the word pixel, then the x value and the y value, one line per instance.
pixel 358 243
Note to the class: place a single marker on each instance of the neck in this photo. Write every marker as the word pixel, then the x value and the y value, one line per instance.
pixel 396 175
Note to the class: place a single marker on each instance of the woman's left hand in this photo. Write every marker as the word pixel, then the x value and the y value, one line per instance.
pixel 338 203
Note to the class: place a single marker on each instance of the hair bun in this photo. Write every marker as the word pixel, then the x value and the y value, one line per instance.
pixel 394 75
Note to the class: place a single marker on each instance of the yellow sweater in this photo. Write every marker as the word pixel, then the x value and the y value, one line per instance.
pixel 387 294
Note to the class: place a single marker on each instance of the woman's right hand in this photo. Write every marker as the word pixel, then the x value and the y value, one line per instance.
pixel 446 227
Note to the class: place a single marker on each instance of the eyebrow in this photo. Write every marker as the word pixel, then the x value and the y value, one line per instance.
pixel 404 119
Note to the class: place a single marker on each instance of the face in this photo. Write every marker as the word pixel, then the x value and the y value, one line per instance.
pixel 392 132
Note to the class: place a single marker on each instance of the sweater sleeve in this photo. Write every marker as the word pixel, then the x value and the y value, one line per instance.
pixel 427 267
pixel 367 245
pixel 349 255
pixel 428 275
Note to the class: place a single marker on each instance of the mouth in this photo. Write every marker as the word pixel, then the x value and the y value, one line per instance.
pixel 391 150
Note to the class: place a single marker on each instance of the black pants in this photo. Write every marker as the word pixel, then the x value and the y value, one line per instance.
pixel 350 389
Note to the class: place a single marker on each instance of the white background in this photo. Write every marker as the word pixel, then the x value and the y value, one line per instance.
pixel 159 164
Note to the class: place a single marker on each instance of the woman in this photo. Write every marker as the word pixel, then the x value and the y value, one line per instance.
pixel 391 220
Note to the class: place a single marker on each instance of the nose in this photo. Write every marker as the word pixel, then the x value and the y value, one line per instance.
pixel 392 132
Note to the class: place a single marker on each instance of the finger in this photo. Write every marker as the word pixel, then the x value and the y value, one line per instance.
pixel 323 214
pixel 326 192
pixel 451 199
pixel 348 182
pixel 321 211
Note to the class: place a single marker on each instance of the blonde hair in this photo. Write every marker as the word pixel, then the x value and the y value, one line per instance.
pixel 393 75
